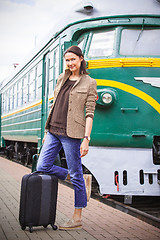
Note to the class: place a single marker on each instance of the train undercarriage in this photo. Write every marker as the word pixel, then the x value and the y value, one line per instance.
pixel 20 151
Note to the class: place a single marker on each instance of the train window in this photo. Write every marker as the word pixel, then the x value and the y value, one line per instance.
pixel 56 64
pixel 46 74
pixel 14 96
pixel 51 57
pixel 39 87
pixel 81 43
pixel 39 80
pixel 101 44
pixel 31 91
pixel 19 93
pixel 7 101
pixel 4 102
pixel 51 82
pixel 140 42
pixel 11 98
pixel 31 86
pixel 25 90
pixel 36 85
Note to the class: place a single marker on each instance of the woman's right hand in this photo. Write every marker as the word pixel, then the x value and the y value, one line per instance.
pixel 44 138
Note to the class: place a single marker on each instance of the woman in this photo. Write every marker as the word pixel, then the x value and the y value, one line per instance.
pixel 70 120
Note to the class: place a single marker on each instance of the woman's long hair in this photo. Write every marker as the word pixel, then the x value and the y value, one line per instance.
pixel 76 50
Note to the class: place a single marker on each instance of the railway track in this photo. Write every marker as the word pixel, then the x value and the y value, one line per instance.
pixel 146 214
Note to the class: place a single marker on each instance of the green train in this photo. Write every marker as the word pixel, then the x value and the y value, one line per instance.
pixel 120 42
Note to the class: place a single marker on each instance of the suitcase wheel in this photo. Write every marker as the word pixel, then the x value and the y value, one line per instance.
pixel 45 226
pixel 30 229
pixel 23 227
pixel 54 227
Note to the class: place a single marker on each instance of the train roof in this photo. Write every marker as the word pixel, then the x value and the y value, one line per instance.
pixel 95 9
pixel 86 10
pixel 102 8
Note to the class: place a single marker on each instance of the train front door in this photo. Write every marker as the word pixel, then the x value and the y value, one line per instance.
pixel 45 92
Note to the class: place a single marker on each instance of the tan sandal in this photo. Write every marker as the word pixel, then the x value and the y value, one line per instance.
pixel 71 225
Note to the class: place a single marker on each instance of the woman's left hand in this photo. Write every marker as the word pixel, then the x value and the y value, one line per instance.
pixel 84 147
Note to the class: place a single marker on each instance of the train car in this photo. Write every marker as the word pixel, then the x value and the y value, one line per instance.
pixel 120 42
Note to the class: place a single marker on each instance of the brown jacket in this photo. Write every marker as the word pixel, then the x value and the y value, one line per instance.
pixel 82 101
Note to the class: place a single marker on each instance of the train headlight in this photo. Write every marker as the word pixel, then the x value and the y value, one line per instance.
pixel 106 97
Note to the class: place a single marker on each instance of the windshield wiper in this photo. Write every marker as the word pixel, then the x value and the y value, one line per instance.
pixel 140 34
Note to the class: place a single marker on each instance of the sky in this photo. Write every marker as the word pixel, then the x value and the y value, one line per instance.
pixel 23 24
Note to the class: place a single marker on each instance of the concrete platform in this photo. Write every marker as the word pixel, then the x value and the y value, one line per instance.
pixel 99 220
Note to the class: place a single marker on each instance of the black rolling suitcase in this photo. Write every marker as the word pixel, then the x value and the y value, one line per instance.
pixel 38 200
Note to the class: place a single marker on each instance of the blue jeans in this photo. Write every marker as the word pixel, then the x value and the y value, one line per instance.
pixel 71 146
